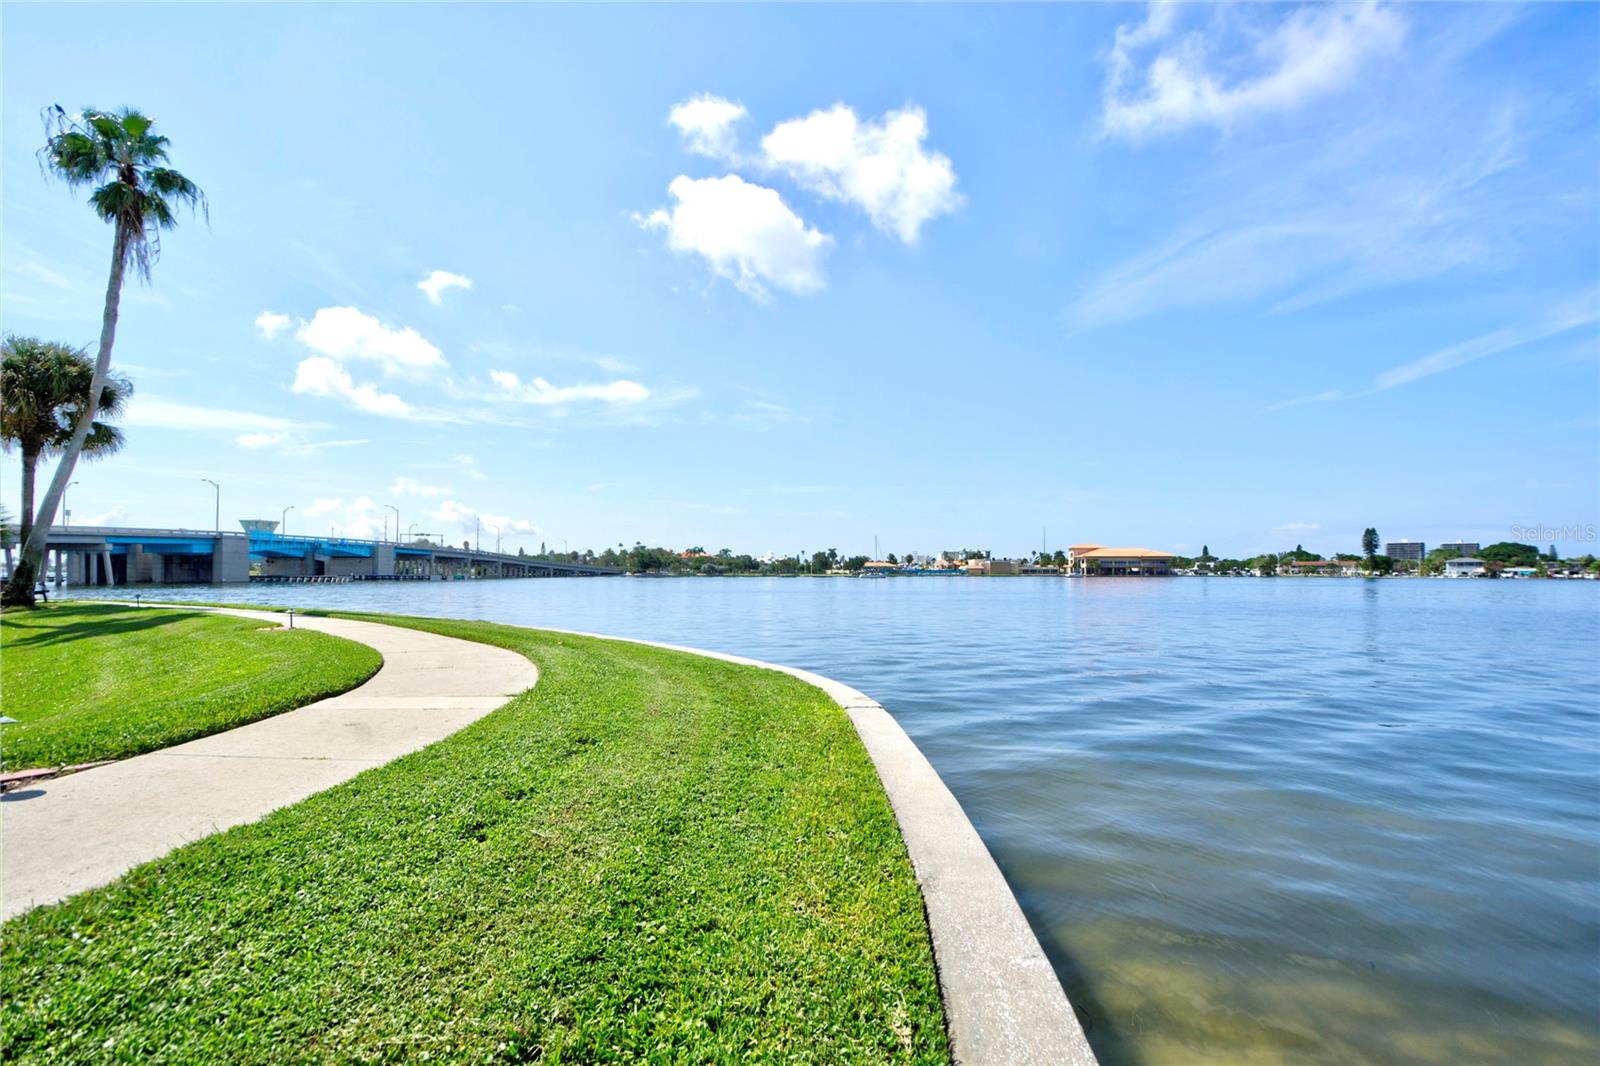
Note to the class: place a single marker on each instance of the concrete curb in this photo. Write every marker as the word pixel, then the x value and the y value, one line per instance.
pixel 1002 1000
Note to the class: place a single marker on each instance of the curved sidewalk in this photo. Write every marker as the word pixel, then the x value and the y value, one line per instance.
pixel 69 834
pixel 1003 1003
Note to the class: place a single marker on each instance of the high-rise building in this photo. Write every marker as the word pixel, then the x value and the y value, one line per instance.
pixel 1463 547
pixel 1406 550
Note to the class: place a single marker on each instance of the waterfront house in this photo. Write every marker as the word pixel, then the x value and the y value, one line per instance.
pixel 1321 566
pixel 1464 567
pixel 1121 562
pixel 994 567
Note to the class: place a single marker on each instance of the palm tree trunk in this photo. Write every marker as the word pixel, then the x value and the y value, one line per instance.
pixel 19 590
pixel 30 468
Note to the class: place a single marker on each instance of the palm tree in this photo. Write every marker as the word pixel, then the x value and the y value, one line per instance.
pixel 135 191
pixel 43 386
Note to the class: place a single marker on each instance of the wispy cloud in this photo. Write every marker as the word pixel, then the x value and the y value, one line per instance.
pixel 1570 316
pixel 158 413
pixel 1426 180
pixel 1291 528
pixel 410 486
pixel 287 443
pixel 1310 52
pixel 542 393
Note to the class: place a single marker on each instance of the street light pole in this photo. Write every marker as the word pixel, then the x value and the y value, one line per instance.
pixel 496 539
pixel 396 511
pixel 477 534
pixel 218 487
pixel 283 521
pixel 66 512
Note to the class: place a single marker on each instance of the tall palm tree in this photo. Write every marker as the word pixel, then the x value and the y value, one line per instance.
pixel 117 153
pixel 43 387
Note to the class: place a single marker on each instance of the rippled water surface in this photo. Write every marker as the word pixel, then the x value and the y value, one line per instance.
pixel 1291 820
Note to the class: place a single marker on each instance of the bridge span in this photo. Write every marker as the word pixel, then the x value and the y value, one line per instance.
pixel 116 555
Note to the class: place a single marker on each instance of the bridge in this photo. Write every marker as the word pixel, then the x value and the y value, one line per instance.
pixel 115 555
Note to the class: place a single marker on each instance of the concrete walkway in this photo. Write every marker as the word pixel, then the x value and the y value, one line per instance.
pixel 65 835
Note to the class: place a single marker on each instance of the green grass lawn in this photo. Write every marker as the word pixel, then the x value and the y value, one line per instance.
pixel 650 856
pixel 95 681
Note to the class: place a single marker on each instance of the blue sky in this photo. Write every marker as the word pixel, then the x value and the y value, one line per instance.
pixel 784 278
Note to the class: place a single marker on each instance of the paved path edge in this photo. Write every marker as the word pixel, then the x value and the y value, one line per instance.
pixel 1002 1000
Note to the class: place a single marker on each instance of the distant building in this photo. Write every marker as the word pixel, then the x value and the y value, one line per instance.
pixel 1407 550
pixel 1077 550
pixel 1461 547
pixel 1321 566
pixel 994 567
pixel 1466 567
pixel 1120 562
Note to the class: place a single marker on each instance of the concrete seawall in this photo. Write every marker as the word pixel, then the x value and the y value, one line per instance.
pixel 1003 1003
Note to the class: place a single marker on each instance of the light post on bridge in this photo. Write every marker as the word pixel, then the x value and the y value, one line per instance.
pixel 283 521
pixel 496 539
pixel 66 512
pixel 396 511
pixel 218 487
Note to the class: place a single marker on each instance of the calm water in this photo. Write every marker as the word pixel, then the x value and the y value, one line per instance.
pixel 1251 820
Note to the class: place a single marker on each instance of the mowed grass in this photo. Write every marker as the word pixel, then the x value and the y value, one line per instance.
pixel 649 857
pixel 97 681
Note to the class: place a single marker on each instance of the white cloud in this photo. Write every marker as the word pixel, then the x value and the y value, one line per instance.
pixel 152 412
pixel 1312 51
pixel 541 392
pixel 436 284
pixel 467 466
pixel 270 323
pixel 1295 527
pixel 256 441
pixel 745 232
pixel 881 167
pixel 706 124
pixel 347 333
pixel 291 443
pixel 467 519
pixel 321 376
pixel 410 486
pixel 361 519
pixel 114 517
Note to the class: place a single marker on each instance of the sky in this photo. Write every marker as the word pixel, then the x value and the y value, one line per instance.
pixel 785 278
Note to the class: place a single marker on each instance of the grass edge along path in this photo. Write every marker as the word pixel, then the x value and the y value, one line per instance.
pixel 649 855
pixel 91 681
